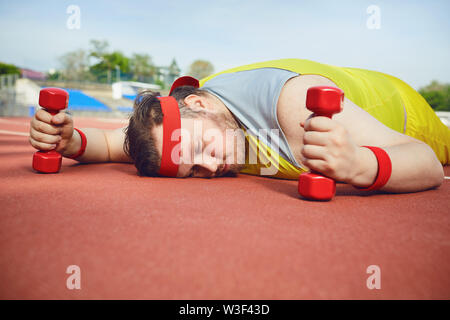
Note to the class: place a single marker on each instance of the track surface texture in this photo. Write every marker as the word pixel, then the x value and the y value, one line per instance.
pixel 226 238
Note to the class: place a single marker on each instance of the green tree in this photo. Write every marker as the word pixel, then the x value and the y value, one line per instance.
pixel 105 62
pixel 142 67
pixel 75 65
pixel 174 70
pixel 117 58
pixel 8 69
pixel 437 95
pixel 200 69
pixel 103 70
pixel 56 75
pixel 98 48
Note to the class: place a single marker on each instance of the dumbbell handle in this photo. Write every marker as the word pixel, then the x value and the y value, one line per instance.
pixel 52 112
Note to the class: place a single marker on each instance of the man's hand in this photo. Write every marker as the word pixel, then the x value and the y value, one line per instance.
pixel 49 132
pixel 329 149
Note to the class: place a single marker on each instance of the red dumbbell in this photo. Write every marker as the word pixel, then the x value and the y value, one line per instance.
pixel 322 101
pixel 53 100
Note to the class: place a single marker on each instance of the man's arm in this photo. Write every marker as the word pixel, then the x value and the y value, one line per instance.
pixel 333 147
pixel 415 166
pixel 102 146
pixel 49 132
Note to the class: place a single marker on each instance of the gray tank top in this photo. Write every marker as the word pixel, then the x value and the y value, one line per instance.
pixel 252 97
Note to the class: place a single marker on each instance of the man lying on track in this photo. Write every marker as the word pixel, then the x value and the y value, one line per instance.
pixel 253 119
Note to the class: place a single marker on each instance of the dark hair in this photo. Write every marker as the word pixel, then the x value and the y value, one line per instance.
pixel 139 142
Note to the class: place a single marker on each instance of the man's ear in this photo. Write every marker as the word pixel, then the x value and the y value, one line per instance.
pixel 197 101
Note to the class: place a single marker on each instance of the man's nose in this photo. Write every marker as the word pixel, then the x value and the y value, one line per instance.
pixel 209 166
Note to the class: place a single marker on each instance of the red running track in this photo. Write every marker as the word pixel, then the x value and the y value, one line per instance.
pixel 226 238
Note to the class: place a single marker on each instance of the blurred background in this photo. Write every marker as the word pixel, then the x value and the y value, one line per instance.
pixel 105 52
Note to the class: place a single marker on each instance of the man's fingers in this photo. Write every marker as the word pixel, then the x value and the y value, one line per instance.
pixel 43 137
pixel 43 116
pixel 61 118
pixel 318 123
pixel 44 127
pixel 316 165
pixel 313 152
pixel 47 131
pixel 41 145
pixel 315 138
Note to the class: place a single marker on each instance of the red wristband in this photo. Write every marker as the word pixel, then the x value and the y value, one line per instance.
pixel 83 145
pixel 384 169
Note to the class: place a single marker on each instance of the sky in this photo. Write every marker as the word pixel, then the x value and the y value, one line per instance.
pixel 408 39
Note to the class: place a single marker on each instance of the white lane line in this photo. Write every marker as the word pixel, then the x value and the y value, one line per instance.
pixel 124 121
pixel 13 122
pixel 15 133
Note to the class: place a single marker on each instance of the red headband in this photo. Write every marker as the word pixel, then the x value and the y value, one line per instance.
pixel 172 122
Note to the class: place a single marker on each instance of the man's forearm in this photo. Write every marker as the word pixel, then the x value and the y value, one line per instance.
pixel 414 168
pixel 96 149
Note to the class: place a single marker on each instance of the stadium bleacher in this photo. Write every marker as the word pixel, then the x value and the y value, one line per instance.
pixel 129 96
pixel 125 109
pixel 82 102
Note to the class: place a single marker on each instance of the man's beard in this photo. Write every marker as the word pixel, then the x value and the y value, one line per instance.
pixel 226 122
